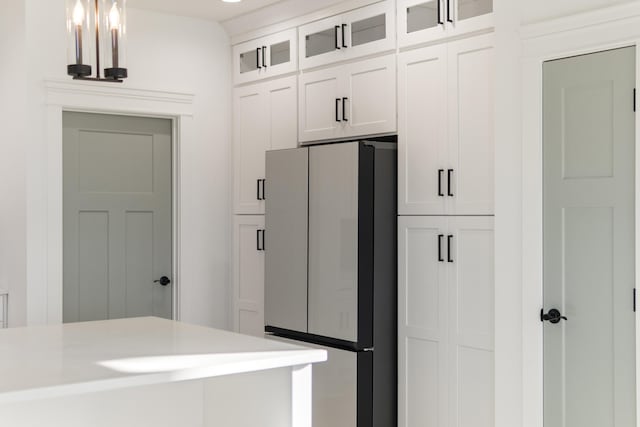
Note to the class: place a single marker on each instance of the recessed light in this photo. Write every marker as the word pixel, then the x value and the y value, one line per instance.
pixel 232 1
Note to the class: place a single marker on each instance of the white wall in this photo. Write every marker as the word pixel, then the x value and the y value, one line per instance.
pixel 165 53
pixel 13 157
pixel 541 10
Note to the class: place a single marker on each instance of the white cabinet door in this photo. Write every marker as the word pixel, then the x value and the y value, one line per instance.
pixel 371 96
pixel 425 21
pixel 265 117
pixel 422 322
pixel 320 99
pixel 470 318
pixel 422 131
pixel 445 323
pixel 470 171
pixel 248 274
pixel 266 57
pixel 364 31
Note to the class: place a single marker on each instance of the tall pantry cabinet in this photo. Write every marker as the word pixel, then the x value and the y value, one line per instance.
pixel 445 234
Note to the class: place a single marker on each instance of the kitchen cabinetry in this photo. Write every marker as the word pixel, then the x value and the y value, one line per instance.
pixel 446 311
pixel 265 118
pixel 445 131
pixel 248 274
pixel 349 100
pixel 364 31
pixel 266 57
pixel 423 21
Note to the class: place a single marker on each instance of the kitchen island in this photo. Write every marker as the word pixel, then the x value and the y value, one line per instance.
pixel 151 372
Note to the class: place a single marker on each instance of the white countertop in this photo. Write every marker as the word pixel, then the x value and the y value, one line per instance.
pixel 60 360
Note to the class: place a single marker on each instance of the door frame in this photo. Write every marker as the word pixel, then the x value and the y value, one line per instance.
pixel 585 33
pixel 45 204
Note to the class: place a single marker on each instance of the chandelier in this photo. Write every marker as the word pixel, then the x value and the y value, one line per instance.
pixel 96 38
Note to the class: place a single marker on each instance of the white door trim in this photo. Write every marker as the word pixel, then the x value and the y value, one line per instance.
pixel 604 29
pixel 44 202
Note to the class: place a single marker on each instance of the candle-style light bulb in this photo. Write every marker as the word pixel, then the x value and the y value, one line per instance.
pixel 114 24
pixel 78 19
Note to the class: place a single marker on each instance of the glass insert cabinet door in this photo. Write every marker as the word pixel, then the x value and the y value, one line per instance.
pixel 266 57
pixel 344 36
pixel 467 9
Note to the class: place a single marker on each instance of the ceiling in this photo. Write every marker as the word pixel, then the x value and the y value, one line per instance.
pixel 208 9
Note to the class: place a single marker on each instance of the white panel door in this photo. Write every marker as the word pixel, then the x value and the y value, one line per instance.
pixel 117 217
pixel 422 322
pixel 321 104
pixel 470 172
pixel 371 96
pixel 250 141
pixel 589 240
pixel 422 131
pixel 470 277
pixel 248 274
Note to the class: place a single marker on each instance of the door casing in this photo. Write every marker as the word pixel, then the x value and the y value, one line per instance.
pixel 591 33
pixel 44 282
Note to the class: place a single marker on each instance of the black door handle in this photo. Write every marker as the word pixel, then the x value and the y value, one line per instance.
pixel 335 35
pixel 449 239
pixel 440 237
pixel 553 316
pixel 449 173
pixel 344 26
pixel 164 281
pixel 264 61
pixel 338 110
pixel 258 58
pixel 440 172
pixel 344 109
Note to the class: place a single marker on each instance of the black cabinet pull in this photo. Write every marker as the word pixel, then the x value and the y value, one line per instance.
pixel 264 61
pixel 449 173
pixel 440 237
pixel 257 189
pixel 257 240
pixel 338 110
pixel 449 239
pixel 264 195
pixel 440 172
pixel 449 15
pixel 263 239
pixel 344 26
pixel 258 58
pixel 440 20
pixel 335 35
pixel 344 109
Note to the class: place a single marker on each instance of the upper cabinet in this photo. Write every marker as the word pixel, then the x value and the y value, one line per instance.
pixel 265 118
pixel 363 31
pixel 445 130
pixel 349 100
pixel 421 21
pixel 266 57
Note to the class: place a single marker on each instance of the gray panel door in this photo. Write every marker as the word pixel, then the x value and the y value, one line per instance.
pixel 117 217
pixel 286 207
pixel 333 240
pixel 589 245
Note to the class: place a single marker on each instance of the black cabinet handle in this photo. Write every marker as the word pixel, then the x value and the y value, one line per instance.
pixel 258 240
pixel 440 20
pixel 449 239
pixel 264 61
pixel 449 15
pixel 440 237
pixel 344 26
pixel 344 109
pixel 258 58
pixel 257 189
pixel 440 172
pixel 264 195
pixel 338 110
pixel 335 35
pixel 449 173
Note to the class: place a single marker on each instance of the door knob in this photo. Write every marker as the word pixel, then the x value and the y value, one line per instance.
pixel 553 316
pixel 164 281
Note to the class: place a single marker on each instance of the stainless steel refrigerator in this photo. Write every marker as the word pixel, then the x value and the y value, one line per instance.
pixel 330 272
